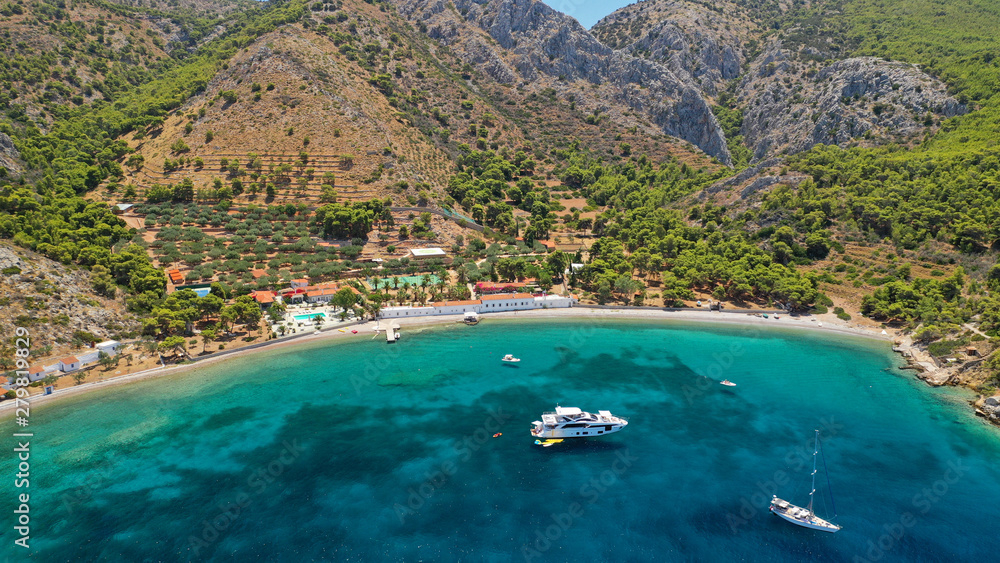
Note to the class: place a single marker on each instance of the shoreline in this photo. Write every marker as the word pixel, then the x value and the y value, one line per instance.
pixel 742 318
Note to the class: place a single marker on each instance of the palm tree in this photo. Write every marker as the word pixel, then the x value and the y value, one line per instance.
pixel 424 280
pixel 395 282
pixel 442 279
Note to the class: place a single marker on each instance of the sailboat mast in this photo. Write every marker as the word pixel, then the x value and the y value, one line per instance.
pixel 813 490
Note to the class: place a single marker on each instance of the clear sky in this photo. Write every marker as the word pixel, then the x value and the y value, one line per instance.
pixel 587 12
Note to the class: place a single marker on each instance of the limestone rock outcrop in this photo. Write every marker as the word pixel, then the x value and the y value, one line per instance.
pixel 791 105
pixel 528 44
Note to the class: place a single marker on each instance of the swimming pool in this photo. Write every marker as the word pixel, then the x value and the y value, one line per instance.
pixel 309 316
pixel 412 280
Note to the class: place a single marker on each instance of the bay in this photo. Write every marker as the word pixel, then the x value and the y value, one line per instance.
pixel 364 451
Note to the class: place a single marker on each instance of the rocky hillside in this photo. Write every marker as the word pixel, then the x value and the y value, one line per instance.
pixel 384 106
pixel 705 43
pixel 527 45
pixel 794 88
pixel 56 303
pixel 791 102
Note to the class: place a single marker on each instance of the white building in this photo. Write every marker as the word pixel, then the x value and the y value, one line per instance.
pixel 488 304
pixel 325 293
pixel 109 347
pixel 419 253
pixel 403 312
pixel 321 294
pixel 68 364
pixel 37 372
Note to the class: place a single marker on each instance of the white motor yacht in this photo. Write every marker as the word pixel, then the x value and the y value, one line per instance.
pixel 571 422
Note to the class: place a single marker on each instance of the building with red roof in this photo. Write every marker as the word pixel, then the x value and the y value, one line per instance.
pixel 70 363
pixel 263 298
pixel 175 276
pixel 488 304
pixel 36 372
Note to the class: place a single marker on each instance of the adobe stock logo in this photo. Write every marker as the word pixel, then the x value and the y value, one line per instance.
pixel 922 503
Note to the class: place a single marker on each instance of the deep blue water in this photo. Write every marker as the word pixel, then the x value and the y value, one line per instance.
pixel 364 451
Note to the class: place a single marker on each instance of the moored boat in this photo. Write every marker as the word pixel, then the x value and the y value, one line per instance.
pixel 571 422
pixel 805 517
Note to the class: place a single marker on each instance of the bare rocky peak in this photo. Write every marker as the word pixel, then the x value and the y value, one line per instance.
pixel 791 103
pixel 793 95
pixel 527 44
pixel 706 44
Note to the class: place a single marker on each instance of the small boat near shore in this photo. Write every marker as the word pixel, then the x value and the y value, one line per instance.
pixel 509 358
pixel 727 383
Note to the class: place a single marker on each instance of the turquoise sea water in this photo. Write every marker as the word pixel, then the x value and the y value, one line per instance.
pixel 363 451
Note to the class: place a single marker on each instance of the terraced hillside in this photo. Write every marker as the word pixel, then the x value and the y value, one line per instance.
pixel 298 115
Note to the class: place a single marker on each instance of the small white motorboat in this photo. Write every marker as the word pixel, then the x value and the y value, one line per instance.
pixel 727 383
pixel 510 359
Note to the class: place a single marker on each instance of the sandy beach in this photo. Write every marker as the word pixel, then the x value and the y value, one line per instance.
pixel 826 323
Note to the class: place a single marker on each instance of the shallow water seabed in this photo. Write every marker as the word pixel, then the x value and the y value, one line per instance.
pixel 362 450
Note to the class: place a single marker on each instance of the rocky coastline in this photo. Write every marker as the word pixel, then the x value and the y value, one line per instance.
pixel 963 371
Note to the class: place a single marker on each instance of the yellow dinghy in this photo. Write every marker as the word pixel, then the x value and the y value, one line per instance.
pixel 547 443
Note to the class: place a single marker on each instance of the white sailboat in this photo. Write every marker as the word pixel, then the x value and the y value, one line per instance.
pixel 805 517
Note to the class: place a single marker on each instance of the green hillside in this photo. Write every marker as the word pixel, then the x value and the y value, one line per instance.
pixel 103 77
pixel 955 41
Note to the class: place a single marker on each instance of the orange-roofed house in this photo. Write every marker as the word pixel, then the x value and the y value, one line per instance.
pixel 300 283
pixel 36 372
pixel 321 294
pixel 263 298
pixel 70 363
pixel 325 293
pixel 175 277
